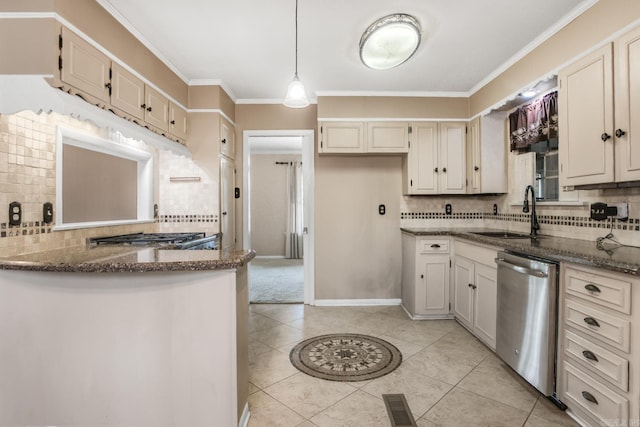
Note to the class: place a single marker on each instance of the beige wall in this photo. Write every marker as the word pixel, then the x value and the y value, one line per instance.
pixel 392 107
pixel 211 97
pixel 33 48
pixel 596 24
pixel 269 203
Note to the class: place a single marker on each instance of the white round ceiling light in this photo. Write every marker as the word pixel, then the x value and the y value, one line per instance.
pixel 390 41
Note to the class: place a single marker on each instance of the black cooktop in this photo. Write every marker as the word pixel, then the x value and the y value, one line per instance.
pixel 146 238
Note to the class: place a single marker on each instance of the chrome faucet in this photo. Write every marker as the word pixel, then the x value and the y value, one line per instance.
pixel 525 208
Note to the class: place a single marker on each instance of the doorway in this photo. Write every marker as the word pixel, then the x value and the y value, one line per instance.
pixel 285 260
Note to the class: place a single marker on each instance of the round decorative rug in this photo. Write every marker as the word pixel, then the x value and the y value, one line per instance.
pixel 345 357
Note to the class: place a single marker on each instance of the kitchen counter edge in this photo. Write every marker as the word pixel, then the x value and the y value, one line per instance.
pixel 130 261
pixel 623 260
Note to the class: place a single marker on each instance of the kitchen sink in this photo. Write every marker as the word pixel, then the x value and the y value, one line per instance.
pixel 502 234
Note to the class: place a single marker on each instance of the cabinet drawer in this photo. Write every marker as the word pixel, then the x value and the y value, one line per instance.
pixel 595 398
pixel 433 246
pixel 607 291
pixel 603 362
pixel 608 329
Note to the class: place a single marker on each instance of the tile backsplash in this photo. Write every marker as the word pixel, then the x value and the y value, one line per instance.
pixel 28 175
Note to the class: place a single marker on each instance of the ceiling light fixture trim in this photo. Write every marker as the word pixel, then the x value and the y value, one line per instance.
pixel 390 41
pixel 296 96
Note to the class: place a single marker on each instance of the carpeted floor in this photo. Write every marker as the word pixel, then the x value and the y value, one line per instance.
pixel 276 280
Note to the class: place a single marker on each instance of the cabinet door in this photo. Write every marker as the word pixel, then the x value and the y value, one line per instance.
pixel 485 305
pixel 227 203
pixel 127 92
pixel 84 67
pixel 423 159
pixel 627 107
pixel 342 137
pixel 474 156
pixel 432 285
pixel 227 138
pixel 585 101
pixel 387 137
pixel 453 164
pixel 177 121
pixel 463 291
pixel 156 109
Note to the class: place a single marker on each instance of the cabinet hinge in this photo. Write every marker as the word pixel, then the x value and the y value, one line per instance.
pixel 466 130
pixel 411 183
pixel 449 263
pixel 449 306
pixel 60 62
pixel 410 129
pixel 110 74
pixel 59 41
pixel 409 144
pixel 321 130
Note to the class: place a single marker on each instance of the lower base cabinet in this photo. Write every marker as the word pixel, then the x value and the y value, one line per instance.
pixel 599 349
pixel 475 290
pixel 425 276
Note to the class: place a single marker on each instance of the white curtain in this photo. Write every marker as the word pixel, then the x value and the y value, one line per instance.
pixel 295 224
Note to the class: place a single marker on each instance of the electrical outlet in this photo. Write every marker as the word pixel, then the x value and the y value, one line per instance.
pixel 447 209
pixel 623 211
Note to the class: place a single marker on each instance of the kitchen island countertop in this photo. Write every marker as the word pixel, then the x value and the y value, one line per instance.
pixel 622 259
pixel 130 259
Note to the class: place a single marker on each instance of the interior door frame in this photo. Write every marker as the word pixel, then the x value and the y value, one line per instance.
pixel 308 177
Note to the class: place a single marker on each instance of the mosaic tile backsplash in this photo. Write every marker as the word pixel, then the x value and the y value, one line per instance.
pixel 28 175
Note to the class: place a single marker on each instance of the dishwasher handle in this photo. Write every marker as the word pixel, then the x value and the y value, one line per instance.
pixel 520 269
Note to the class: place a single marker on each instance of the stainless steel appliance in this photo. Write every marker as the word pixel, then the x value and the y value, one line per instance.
pixel 162 240
pixel 527 318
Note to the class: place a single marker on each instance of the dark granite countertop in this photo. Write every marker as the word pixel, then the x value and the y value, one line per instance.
pixel 132 259
pixel 622 260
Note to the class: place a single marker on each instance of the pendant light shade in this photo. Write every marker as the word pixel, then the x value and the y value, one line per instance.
pixel 296 96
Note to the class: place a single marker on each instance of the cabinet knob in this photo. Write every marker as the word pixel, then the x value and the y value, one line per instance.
pixel 436 170
pixel 472 286
pixel 108 86
pixel 620 133
pixel 591 322
pixel 605 136
pixel 224 140
pixel 592 288
pixel 143 106
pixel 589 355
pixel 444 170
pixel 590 397
pixel 422 276
pixel 149 109
pixel 224 213
pixel 476 168
pixel 173 122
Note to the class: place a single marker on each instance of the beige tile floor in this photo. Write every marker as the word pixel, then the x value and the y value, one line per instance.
pixel 448 377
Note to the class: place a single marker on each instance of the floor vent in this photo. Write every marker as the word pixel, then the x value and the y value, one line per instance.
pixel 398 410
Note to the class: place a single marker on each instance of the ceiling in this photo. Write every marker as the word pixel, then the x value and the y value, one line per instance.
pixel 248 46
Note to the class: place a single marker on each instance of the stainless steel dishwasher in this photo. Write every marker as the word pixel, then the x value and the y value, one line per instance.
pixel 527 323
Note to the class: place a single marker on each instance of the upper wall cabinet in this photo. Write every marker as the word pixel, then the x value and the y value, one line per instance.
pixel 436 163
pixel 84 67
pixel 227 138
pixel 110 85
pixel 363 137
pixel 486 154
pixel 596 147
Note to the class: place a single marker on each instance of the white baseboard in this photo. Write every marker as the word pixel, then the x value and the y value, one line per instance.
pixel 356 302
pixel 427 317
pixel 244 419
pixel 269 257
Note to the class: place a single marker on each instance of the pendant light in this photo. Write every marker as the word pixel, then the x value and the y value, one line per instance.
pixel 296 96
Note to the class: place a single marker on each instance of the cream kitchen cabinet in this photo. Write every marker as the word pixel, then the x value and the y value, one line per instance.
pixel 95 77
pixel 598 355
pixel 227 138
pixel 388 137
pixel 436 163
pixel 598 141
pixel 425 276
pixel 83 66
pixel 475 290
pixel 177 122
pixel 487 154
pixel 383 137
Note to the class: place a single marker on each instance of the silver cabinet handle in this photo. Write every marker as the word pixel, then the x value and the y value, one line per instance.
pixel 435 246
pixel 589 355
pixel 520 269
